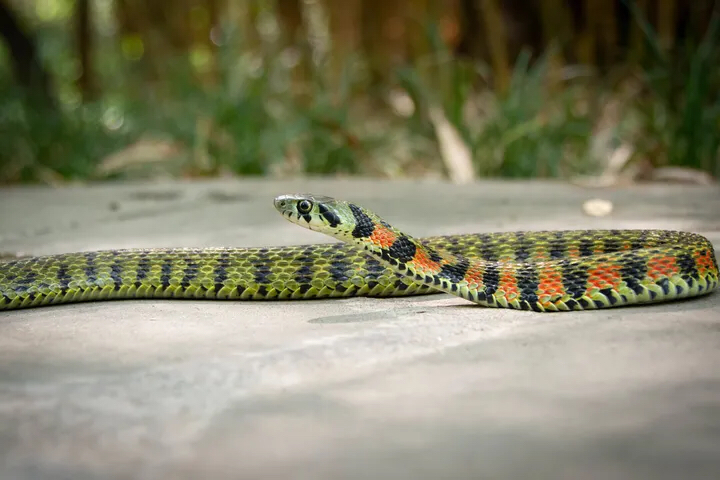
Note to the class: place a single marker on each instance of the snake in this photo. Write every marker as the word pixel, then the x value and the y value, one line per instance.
pixel 542 271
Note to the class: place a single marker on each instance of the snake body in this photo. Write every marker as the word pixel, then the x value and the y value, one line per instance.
pixel 541 271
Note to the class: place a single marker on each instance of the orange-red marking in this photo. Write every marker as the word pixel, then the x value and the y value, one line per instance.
pixel 474 275
pixel 383 237
pixel 607 276
pixel 662 266
pixel 550 282
pixel 424 264
pixel 704 263
pixel 508 283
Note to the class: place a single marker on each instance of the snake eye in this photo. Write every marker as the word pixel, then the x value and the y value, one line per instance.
pixel 304 206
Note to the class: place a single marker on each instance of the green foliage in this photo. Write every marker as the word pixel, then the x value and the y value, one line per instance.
pixel 681 115
pixel 530 132
pixel 255 118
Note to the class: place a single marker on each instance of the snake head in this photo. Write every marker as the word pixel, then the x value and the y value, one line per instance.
pixel 318 213
pixel 325 214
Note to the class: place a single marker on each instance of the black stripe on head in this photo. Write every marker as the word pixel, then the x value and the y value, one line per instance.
pixel 364 226
pixel 330 216
pixel 402 249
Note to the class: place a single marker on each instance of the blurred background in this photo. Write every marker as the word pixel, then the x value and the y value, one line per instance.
pixel 604 90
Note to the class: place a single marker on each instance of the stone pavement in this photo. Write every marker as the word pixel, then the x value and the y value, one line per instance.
pixel 417 388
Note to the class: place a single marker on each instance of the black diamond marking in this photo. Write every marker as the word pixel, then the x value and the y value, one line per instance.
pixel 664 283
pixel 364 226
pixel 571 303
pixel 331 217
pixel 304 273
pixel 436 280
pixel 401 286
pixel 339 270
pixel 435 256
pixel 403 249
pixel 240 290
pixel 340 288
pixel 633 268
pixel 583 302
pixel 574 278
pixel 375 268
pixel 679 289
pixel 220 273
pixel 536 307
pixel 481 296
pixel 522 254
pixel 491 280
pixel 116 274
pixel 307 217
pixel 687 265
pixel 90 268
pixel 559 246
pixel 372 284
pixel 611 245
pixel 586 247
pixel 487 252
pixel 527 283
pixel 304 288
pixel 454 287
pixel 166 272
pixel 189 274
pixel 455 272
pixel 143 267
pixel 608 292
pixel 62 277
pixel 262 291
pixel 640 241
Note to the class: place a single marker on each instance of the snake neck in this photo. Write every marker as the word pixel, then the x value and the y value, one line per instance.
pixel 437 268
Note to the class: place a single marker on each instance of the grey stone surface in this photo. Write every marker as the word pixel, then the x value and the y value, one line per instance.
pixel 416 388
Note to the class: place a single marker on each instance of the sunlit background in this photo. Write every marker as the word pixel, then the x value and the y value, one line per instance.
pixel 96 90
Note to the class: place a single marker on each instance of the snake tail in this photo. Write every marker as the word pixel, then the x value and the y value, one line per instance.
pixel 580 271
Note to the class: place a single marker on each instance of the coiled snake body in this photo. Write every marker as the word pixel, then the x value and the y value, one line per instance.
pixel 541 271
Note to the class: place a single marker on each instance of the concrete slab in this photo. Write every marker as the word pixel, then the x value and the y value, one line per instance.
pixel 418 388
